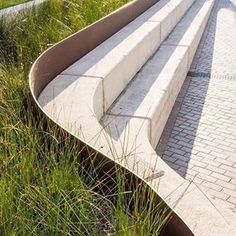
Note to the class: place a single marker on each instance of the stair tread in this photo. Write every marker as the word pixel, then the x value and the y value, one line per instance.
pixel 149 86
pixel 100 61
pixel 117 60
pixel 179 36
pixel 145 89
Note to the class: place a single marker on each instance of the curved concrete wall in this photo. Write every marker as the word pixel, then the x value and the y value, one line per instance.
pixel 59 57
pixel 107 55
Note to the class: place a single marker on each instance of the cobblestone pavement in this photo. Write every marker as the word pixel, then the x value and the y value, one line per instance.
pixel 199 140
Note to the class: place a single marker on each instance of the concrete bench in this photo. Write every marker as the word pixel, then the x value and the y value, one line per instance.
pixel 118 97
pixel 105 72
pixel 118 59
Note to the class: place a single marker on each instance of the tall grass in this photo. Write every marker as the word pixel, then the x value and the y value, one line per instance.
pixel 44 190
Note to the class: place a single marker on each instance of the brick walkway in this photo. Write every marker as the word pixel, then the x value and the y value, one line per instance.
pixel 199 140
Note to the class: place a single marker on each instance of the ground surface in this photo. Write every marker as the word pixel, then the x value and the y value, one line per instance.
pixel 199 140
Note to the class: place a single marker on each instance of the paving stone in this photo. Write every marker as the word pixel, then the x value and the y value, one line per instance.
pixel 206 156
pixel 216 169
pixel 232 200
pixel 223 161
pixel 233 181
pixel 210 162
pixel 202 170
pixel 221 176
pixel 197 163
pixel 207 177
pixel 168 153
pixel 218 194
pixel 212 186
pixel 229 192
pixel 230 174
pixel 229 168
pixel 182 163
pixel 226 184
pixel 168 159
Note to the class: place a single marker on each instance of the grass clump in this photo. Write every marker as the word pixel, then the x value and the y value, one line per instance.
pixel 43 188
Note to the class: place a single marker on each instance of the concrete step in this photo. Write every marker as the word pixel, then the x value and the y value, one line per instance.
pixel 119 58
pixel 81 94
pixel 138 116
pixel 152 93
